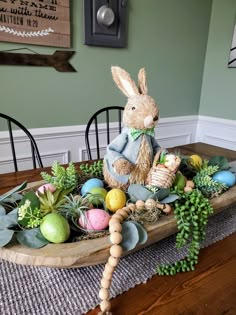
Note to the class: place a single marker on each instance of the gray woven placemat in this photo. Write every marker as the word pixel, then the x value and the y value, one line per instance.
pixel 26 290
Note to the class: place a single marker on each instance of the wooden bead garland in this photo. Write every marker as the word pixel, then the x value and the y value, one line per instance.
pixel 114 220
pixel 167 208
pixel 117 216
pixel 131 207
pixel 123 213
pixel 109 268
pixel 105 306
pixel 107 275
pixel 116 252
pixel 105 283
pixel 116 227
pixel 113 261
pixel 140 205
pixel 103 294
pixel 115 237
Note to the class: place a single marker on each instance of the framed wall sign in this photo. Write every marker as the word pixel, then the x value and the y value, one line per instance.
pixel 105 22
pixel 40 22
pixel 232 56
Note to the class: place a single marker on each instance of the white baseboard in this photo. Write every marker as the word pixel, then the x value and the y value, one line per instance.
pixel 67 143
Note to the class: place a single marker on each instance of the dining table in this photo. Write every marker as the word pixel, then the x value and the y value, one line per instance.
pixel 209 289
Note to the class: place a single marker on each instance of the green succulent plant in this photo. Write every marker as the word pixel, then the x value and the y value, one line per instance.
pixel 62 178
pixel 74 206
pixel 50 202
pixel 92 170
pixel 205 183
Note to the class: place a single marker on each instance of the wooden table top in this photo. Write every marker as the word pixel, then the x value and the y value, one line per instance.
pixel 210 289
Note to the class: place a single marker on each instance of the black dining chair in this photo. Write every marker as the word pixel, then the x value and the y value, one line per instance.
pixel 34 149
pixel 107 115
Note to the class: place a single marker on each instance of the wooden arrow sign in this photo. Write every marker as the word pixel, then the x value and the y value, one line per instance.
pixel 59 60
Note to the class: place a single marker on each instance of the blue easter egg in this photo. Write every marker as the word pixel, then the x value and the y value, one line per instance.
pixel 91 183
pixel 225 177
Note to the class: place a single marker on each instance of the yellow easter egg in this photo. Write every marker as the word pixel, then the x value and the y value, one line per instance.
pixel 115 199
pixel 196 161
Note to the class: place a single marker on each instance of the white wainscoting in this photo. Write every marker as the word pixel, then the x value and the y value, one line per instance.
pixel 217 131
pixel 66 144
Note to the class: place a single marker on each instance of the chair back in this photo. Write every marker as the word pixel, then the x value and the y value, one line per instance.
pixel 105 114
pixel 34 149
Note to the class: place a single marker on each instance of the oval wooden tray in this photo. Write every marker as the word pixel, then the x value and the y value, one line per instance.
pixel 93 252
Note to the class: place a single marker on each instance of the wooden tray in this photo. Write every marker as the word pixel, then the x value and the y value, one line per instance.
pixel 96 251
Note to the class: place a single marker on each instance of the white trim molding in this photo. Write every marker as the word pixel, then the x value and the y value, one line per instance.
pixel 174 131
pixel 217 131
pixel 67 143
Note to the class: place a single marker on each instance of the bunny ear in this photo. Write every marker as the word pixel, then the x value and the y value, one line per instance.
pixel 124 81
pixel 142 81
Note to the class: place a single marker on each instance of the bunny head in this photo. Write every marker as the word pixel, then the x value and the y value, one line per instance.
pixel 141 111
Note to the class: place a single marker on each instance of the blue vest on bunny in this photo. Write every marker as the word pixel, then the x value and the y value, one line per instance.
pixel 126 146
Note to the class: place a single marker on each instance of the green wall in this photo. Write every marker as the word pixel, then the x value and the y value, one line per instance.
pixel 167 37
pixel 218 89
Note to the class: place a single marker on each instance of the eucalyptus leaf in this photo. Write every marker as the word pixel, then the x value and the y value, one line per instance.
pixel 221 161
pixel 13 215
pixel 5 222
pixel 12 191
pixel 143 236
pixel 8 200
pixel 9 220
pixel 233 170
pixel 232 163
pixel 5 237
pixel 138 192
pixel 160 194
pixel 170 198
pixel 32 238
pixel 15 197
pixel 130 236
pixel 2 211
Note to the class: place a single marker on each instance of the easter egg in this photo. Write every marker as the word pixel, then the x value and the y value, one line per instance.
pixel 98 195
pixel 196 161
pixel 225 177
pixel 91 183
pixel 115 199
pixel 55 228
pixel 180 181
pixel 46 187
pixel 94 219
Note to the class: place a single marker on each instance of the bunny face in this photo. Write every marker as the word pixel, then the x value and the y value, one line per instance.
pixel 141 112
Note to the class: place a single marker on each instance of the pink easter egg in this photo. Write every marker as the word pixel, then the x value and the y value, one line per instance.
pixel 45 187
pixel 94 219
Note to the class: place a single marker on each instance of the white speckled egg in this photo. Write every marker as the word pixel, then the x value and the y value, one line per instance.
pixel 225 177
pixel 91 183
pixel 94 219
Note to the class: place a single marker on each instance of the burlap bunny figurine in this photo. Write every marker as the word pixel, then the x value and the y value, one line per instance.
pixel 130 155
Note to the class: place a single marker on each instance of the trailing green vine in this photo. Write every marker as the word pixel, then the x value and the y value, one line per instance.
pixel 191 212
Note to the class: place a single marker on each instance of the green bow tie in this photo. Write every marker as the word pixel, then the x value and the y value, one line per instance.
pixel 135 133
